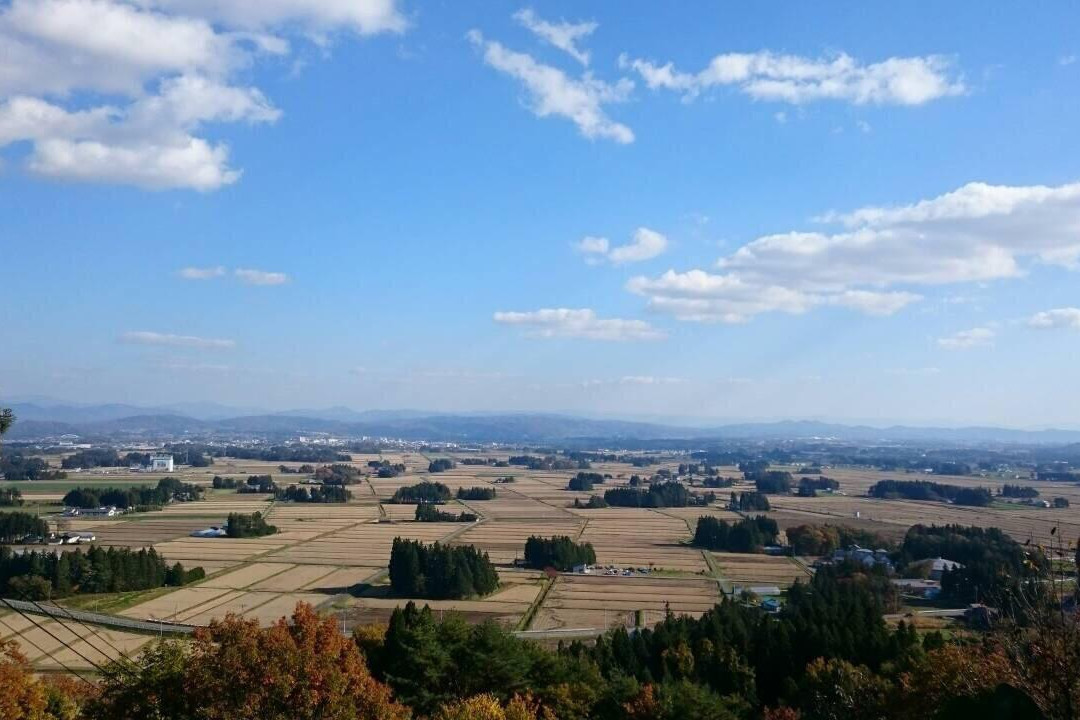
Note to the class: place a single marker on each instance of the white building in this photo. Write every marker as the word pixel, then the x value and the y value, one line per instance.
pixel 109 511
pixel 161 463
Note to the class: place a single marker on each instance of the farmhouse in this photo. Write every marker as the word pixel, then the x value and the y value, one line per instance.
pixel 938 567
pixel 864 556
pixel 927 589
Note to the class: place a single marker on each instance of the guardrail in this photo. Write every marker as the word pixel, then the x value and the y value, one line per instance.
pixel 159 627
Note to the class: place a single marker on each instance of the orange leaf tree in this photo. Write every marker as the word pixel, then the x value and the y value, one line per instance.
pixel 302 668
pixel 22 697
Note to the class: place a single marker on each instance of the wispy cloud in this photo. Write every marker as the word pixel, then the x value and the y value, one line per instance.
pixel 580 323
pixel 1066 60
pixel 145 337
pixel 968 339
pixel 1068 317
pixel 552 92
pixel 260 277
pixel 201 273
pixel 797 80
pixel 563 35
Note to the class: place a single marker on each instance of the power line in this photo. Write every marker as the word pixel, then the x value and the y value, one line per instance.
pixel 45 612
pixel 57 660
pixel 91 633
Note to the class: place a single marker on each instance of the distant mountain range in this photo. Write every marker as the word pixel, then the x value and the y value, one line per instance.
pixel 39 419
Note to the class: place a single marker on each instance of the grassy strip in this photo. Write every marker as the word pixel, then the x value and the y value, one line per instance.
pixel 112 603
pixel 530 614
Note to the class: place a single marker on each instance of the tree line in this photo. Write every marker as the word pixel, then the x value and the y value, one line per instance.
pixel 14 526
pixel 927 490
pixel 428 512
pixel 826 539
pixel 11 497
pixel 338 474
pixel 43 575
pixel 994 566
pixel 422 492
pixel 476 493
pixel 749 502
pixel 664 494
pixel 19 467
pixel 143 497
pixel 440 572
pixel 244 525
pixel 748 535
pixel 773 482
pixel 559 552
pixel 314 494
pixel 440 465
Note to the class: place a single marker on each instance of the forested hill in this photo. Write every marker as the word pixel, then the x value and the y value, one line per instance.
pixel 38 421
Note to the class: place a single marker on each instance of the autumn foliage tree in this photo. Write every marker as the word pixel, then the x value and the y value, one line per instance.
pixel 302 668
pixel 488 707
pixel 22 696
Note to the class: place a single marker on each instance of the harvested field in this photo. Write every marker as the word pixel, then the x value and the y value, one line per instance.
pixel 895 516
pixel 505 541
pixel 95 645
pixel 637 537
pixel 247 576
pixel 190 550
pixel 366 545
pixel 752 569
pixel 506 605
pixel 584 601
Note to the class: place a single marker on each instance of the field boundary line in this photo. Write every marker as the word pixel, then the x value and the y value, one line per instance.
pixel 536 606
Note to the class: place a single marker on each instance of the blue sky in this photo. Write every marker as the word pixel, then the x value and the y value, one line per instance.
pixel 857 211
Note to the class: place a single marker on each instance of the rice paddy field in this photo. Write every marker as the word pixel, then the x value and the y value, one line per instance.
pixel 334 556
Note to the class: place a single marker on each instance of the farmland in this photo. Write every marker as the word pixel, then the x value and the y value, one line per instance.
pixel 334 556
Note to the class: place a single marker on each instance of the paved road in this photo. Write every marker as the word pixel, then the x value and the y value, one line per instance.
pixel 91 618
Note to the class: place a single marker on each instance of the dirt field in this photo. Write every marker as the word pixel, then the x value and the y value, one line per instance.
pixel 584 601
pixel 44 646
pixel 740 569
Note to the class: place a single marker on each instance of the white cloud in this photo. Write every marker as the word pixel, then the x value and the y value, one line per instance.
pixel 967 339
pixel 880 256
pixel 260 277
pixel 142 337
pixel 201 273
pixel 148 143
pixel 364 17
pixel 583 323
pixel 645 245
pixel 796 80
pixel 553 92
pixel 166 68
pixel 1058 318
pixel 591 245
pixel 563 35
pixel 1066 60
